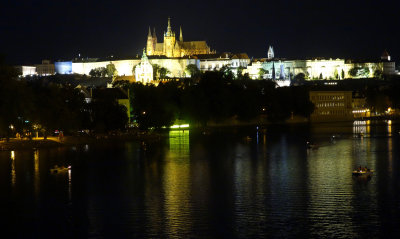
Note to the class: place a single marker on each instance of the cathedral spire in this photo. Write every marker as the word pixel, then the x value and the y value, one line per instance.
pixel 180 35
pixel 154 32
pixel 169 31
pixel 149 32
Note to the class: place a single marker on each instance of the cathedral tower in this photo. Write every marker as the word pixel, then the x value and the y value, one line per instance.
pixel 169 41
pixel 150 44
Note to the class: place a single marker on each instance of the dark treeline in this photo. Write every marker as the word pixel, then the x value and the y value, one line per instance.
pixel 29 106
pixel 215 97
pixel 42 105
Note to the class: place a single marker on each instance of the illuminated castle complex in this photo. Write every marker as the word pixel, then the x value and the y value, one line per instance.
pixel 171 47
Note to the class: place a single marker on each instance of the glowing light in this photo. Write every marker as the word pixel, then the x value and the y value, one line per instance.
pixel 13 172
pixel 176 126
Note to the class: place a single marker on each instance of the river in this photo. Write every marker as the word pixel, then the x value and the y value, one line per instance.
pixel 223 183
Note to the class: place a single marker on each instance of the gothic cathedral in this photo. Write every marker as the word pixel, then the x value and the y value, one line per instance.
pixel 174 48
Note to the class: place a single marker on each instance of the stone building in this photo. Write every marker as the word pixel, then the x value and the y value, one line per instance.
pixel 172 47
pixel 331 106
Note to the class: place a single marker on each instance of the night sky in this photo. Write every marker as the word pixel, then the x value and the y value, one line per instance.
pixel 59 30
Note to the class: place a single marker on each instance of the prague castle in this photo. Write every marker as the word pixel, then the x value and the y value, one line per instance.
pixel 172 47
pixel 175 55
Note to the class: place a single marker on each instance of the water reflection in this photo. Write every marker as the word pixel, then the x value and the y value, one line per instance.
pixel 390 147
pixel 36 173
pixel 177 185
pixel 210 186
pixel 330 188
pixel 13 172
pixel 361 127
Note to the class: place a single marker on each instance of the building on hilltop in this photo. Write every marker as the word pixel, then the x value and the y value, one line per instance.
pixel 172 47
pixel 45 69
pixel 214 62
pixel 144 70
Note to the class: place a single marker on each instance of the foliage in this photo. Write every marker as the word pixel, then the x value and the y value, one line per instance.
pixel 98 72
pixel 163 72
pixel 193 71
pixel 46 107
pixel 299 79
pixel 261 73
pixel 111 71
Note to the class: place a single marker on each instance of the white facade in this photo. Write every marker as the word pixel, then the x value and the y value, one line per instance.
pixel 216 62
pixel 26 70
pixel 144 71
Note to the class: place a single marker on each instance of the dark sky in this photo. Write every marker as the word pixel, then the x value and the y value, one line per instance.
pixel 58 29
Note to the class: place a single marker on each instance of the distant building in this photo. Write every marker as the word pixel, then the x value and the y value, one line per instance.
pixel 45 69
pixel 26 70
pixel 359 105
pixel 144 70
pixel 331 106
pixel 63 67
pixel 215 62
pixel 172 47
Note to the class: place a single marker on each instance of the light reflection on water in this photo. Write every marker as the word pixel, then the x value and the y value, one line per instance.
pixel 235 184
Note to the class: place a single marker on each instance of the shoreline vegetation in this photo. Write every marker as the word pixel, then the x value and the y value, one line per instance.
pixel 144 135
pixel 54 141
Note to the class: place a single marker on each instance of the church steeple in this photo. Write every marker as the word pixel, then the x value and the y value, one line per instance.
pixel 169 30
pixel 180 35
pixel 150 43
pixel 271 54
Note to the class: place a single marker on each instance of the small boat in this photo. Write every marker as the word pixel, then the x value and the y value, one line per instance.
pixel 59 169
pixel 366 172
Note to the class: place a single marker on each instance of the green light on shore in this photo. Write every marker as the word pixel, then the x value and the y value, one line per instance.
pixel 179 126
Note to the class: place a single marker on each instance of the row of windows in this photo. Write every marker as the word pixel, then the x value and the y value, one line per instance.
pixel 333 112
pixel 328 97
pixel 330 104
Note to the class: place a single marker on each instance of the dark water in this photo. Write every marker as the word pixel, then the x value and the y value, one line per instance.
pixel 236 183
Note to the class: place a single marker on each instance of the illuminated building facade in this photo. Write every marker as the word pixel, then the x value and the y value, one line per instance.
pixel 319 69
pixel 26 70
pixel 331 106
pixel 144 71
pixel 172 47
pixel 217 61
pixel 45 69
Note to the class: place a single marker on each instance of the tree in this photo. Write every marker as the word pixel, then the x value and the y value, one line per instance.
pixel 378 74
pixel 156 69
pixel 261 73
pixel 353 72
pixel 12 105
pixel 336 74
pixel 111 71
pixel 342 74
pixel 299 78
pixel 98 72
pixel 163 72
pixel 193 71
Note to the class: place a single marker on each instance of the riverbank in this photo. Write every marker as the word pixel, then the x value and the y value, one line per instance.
pixel 51 142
